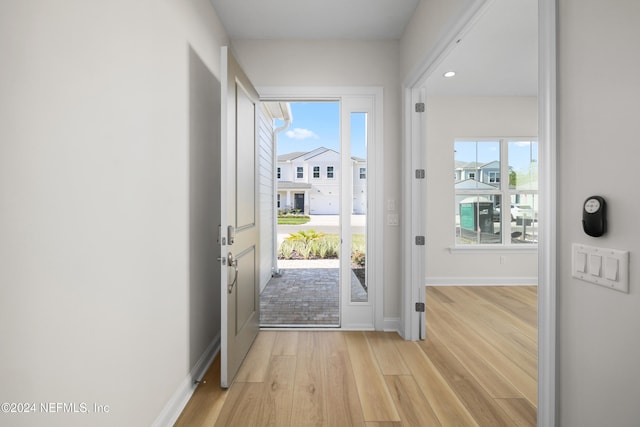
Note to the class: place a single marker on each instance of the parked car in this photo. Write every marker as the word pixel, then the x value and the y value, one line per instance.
pixel 522 211
pixel 496 214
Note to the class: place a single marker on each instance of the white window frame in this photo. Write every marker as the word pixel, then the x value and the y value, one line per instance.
pixel 279 171
pixel 299 172
pixel 505 194
pixel 363 173
pixel 331 173
pixel 316 170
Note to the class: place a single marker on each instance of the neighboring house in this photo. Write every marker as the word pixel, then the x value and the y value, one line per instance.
pixel 310 182
pixel 488 173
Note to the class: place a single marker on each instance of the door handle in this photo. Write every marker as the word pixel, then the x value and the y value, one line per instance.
pixel 232 262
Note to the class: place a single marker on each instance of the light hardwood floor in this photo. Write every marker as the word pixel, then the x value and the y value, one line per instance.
pixel 477 367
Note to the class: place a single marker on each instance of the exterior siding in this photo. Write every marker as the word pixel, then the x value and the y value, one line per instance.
pixel 265 188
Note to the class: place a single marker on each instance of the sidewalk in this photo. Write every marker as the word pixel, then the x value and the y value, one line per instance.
pixel 308 263
pixel 334 220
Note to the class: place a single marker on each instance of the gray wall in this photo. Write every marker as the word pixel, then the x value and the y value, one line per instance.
pixel 598 93
pixel 204 206
pixel 104 294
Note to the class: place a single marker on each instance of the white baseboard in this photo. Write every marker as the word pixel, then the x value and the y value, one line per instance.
pixel 391 324
pixel 180 398
pixel 484 281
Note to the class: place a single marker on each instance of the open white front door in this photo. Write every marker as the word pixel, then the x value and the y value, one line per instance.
pixel 239 233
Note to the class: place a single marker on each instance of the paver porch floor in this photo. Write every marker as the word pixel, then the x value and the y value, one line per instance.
pixel 305 297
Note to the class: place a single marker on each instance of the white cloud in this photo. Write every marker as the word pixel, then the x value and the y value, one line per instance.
pixel 298 133
pixel 522 143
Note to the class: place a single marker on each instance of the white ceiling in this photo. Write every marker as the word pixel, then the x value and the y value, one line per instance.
pixel 315 19
pixel 496 56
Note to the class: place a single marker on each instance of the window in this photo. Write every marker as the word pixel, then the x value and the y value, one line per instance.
pixel 363 173
pixel 278 198
pixel 329 171
pixel 279 173
pixel 299 172
pixel 316 171
pixel 489 211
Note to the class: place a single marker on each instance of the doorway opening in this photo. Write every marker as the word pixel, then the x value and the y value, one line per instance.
pixel 509 234
pixel 314 166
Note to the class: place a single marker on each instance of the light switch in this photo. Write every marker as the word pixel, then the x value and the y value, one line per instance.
pixel 601 266
pixel 611 268
pixel 595 265
pixel 581 262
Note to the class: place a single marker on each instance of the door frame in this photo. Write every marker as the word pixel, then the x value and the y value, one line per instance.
pixel 413 193
pixel 375 225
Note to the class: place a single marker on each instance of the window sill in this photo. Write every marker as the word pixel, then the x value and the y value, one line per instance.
pixel 529 249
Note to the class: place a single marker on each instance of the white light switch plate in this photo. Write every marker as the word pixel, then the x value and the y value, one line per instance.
pixel 601 266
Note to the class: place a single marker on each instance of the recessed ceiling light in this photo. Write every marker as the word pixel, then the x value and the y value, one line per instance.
pixel 449 74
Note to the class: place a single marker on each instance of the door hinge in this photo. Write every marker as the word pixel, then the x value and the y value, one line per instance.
pixel 420 240
pixel 420 174
pixel 419 107
pixel 420 307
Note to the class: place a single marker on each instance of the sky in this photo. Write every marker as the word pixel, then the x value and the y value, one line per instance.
pixel 317 124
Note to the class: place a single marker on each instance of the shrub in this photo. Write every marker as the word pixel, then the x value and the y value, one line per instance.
pixel 305 236
pixel 286 250
pixel 324 248
pixel 358 258
pixel 309 244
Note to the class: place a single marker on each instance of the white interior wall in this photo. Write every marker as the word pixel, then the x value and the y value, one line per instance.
pixel 598 92
pixel 96 294
pixel 342 63
pixel 427 25
pixel 449 118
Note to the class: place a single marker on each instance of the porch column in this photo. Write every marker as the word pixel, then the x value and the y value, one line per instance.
pixel 288 200
pixel 307 202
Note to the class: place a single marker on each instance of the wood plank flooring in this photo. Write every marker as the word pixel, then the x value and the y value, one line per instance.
pixel 477 367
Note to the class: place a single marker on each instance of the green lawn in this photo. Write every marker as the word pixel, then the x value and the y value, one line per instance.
pixel 293 220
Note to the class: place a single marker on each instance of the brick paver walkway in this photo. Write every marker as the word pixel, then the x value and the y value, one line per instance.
pixel 305 296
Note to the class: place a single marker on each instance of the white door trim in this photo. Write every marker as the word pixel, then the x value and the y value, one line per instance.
pixel 547 354
pixel 375 226
pixel 413 279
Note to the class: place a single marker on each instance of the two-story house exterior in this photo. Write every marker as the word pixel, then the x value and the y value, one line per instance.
pixel 488 173
pixel 309 182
